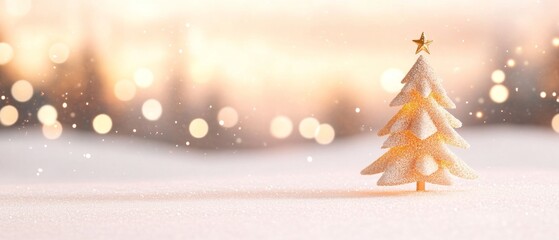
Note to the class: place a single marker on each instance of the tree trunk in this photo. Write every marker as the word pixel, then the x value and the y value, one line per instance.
pixel 420 186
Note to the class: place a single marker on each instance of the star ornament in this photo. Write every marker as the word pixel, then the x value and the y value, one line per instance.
pixel 422 44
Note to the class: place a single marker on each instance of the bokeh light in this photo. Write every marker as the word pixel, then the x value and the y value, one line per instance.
pixel 227 117
pixel 152 110
pixel 391 80
pixel 308 127
pixel 22 91
pixel 198 128
pixel 247 75
pixel 102 124
pixel 143 77
pixel 6 53
pixel 52 131
pixel 499 93
pixel 8 115
pixel 479 114
pixel 555 123
pixel 498 76
pixel 59 53
pixel 511 63
pixel 124 90
pixel 555 42
pixel 281 127
pixel 325 134
pixel 47 115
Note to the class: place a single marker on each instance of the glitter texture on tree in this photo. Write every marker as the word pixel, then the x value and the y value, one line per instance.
pixel 419 133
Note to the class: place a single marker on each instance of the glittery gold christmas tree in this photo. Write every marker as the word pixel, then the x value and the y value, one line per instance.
pixel 420 131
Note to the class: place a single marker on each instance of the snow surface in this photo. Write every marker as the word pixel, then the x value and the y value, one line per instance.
pixel 105 187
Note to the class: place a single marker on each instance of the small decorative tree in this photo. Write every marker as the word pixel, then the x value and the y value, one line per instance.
pixel 419 132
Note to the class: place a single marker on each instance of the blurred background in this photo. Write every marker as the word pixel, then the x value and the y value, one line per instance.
pixel 254 74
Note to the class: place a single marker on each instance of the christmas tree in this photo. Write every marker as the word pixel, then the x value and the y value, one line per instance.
pixel 420 131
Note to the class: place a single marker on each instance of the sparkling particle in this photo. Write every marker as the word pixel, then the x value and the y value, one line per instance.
pixel 64 105
pixel 22 91
pixel 47 115
pixel 198 128
pixel 152 110
pixel 555 42
pixel 74 125
pixel 87 155
pixel 8 115
pixel 498 76
pixel 357 110
pixel 102 124
pixel 6 53
pixel 325 134
pixel 390 80
pixel 308 127
pixel 499 93
pixel 281 127
pixel 543 94
pixel 309 159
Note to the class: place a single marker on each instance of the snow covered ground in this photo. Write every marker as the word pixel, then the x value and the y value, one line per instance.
pixel 105 187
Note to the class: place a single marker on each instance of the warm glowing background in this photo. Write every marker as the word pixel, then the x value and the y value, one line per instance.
pixel 219 74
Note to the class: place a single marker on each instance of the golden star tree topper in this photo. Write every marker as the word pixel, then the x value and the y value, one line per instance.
pixel 420 132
